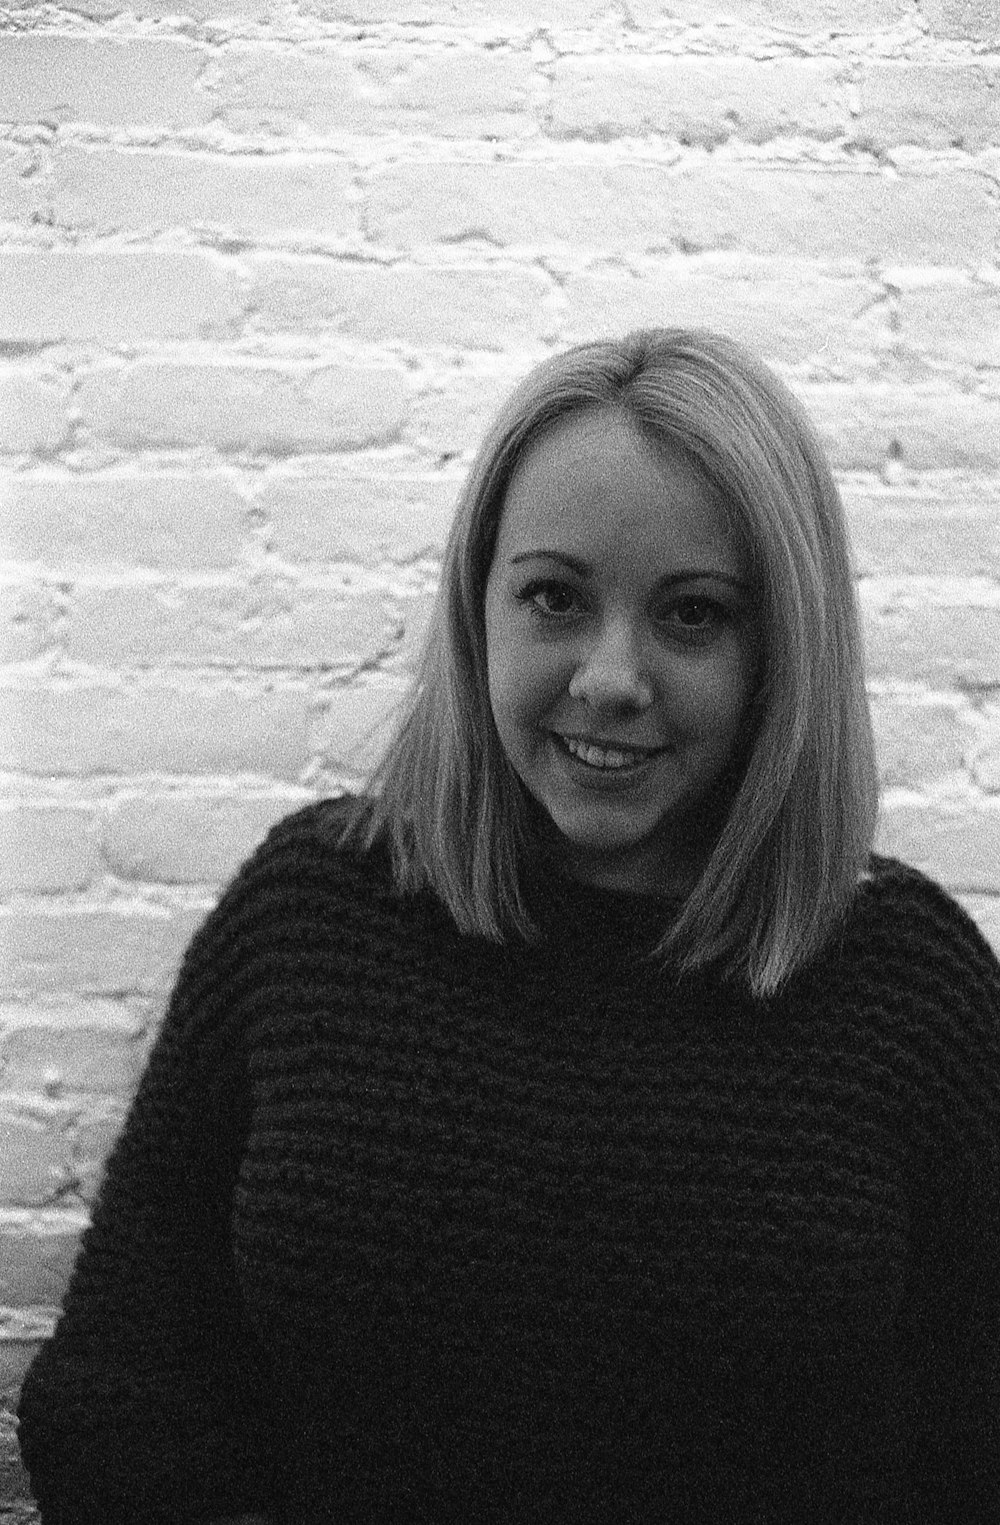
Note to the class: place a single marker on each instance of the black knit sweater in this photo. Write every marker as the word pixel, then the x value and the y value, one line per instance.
pixel 405 1226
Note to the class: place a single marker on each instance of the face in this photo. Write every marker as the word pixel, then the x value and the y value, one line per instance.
pixel 620 648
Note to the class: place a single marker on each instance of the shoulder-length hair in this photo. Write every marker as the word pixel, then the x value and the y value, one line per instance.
pixel 799 829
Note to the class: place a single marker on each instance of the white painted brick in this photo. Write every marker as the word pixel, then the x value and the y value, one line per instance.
pixel 35 1262
pixel 29 620
pixel 94 1046
pixel 244 196
pixel 23 193
pixel 189 839
pixel 971 20
pixel 414 612
pixel 121 520
pixel 495 16
pixel 267 624
pixel 789 315
pixel 489 308
pixel 934 106
pixel 863 426
pixel 957 321
pixel 950 532
pixel 811 16
pixel 119 297
pixel 106 728
pixel 540 204
pixel 919 745
pixel 957 845
pixel 451 417
pixel 986 751
pixel 93 1139
pixel 985 912
pixel 33 410
pixel 46 848
pixel 946 646
pixel 365 520
pixel 934 217
pixel 251 406
pixel 150 82
pixel 33 1156
pixel 328 89
pixel 944 217
pixel 702 101
pixel 99 950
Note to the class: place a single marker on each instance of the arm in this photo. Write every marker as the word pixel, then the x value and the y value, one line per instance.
pixel 149 1402
pixel 953 1310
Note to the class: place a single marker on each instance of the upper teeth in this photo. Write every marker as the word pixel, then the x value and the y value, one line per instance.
pixel 599 758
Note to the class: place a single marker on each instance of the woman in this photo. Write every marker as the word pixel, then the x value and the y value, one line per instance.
pixel 585 1125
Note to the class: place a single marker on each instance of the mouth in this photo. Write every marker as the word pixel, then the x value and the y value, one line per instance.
pixel 604 758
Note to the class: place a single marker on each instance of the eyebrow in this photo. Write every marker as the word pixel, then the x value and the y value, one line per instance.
pixel 689 574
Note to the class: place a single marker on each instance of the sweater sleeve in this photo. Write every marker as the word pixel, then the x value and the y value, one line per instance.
pixel 149 1403
pixel 953 1310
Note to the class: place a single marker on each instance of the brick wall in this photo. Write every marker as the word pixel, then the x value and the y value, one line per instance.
pixel 265 271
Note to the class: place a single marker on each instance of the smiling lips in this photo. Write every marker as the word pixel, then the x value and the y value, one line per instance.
pixel 606 757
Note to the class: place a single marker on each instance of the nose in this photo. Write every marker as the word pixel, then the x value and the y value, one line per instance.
pixel 611 674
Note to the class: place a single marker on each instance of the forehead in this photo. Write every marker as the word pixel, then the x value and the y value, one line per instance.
pixel 594 486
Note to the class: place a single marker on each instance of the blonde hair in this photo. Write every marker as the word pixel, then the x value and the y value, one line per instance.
pixel 796 839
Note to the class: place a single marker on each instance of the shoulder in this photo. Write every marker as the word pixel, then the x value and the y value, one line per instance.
pixel 906 914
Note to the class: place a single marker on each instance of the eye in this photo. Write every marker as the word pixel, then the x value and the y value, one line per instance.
pixel 694 617
pixel 550 599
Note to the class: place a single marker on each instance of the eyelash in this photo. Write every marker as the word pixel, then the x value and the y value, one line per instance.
pixel 690 633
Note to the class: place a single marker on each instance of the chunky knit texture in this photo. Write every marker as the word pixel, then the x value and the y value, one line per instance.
pixel 405 1226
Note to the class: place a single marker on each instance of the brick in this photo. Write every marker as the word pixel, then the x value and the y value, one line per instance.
pixel 354 725
pixel 970 20
pixel 33 1153
pixel 700 101
pixel 185 839
pixel 935 106
pixel 86 1046
pixel 131 83
pixel 33 411
pixel 985 912
pixel 958 845
pixel 945 646
pixel 865 427
pixel 46 848
pixel 92 1143
pixel 30 615
pixel 247 407
pixel 986 751
pixel 498 16
pixel 815 16
pixel 115 520
pixel 334 88
pixel 788 315
pixel 16 1354
pixel 954 321
pixel 489 308
pixel 922 531
pixel 99 950
pixel 450 418
pixel 270 623
pixel 119 297
pixel 36 1260
pixel 248 196
pixel 935 217
pixel 918 744
pixel 365 520
pixel 82 728
pixel 23 193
